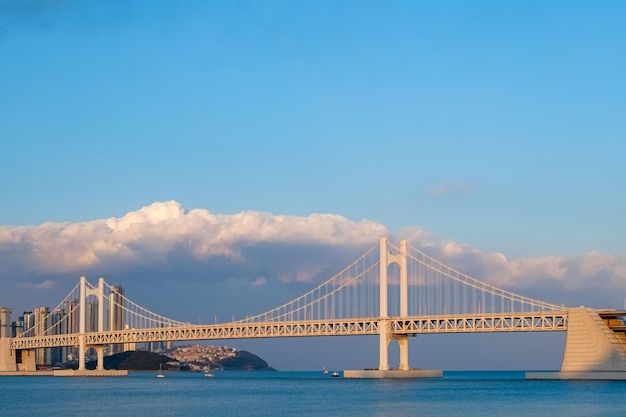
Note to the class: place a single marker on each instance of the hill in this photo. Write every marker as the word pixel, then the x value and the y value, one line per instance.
pixel 150 361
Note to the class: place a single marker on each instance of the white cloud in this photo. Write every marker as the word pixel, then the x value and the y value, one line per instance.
pixel 260 281
pixel 163 241
pixel 450 187
pixel 572 273
pixel 45 285
pixel 154 232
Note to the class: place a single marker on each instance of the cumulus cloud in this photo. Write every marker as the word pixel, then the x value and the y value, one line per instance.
pixel 161 230
pixel 570 273
pixel 164 244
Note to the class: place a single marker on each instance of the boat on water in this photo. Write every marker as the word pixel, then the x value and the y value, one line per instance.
pixel 208 374
pixel 325 371
pixel 160 374
pixel 335 374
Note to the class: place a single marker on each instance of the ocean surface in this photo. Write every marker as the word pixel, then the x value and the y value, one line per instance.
pixel 234 394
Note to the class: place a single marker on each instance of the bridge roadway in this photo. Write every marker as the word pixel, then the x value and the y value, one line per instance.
pixel 481 323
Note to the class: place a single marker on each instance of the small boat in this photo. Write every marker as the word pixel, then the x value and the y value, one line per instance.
pixel 325 371
pixel 160 374
pixel 335 374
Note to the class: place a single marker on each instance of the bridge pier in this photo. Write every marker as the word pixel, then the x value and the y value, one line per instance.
pixel 81 352
pixel 592 349
pixel 29 364
pixel 9 359
pixel 8 362
pixel 100 355
pixel 403 342
pixel 384 339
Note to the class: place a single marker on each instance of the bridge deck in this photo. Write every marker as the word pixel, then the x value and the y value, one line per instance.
pixel 483 323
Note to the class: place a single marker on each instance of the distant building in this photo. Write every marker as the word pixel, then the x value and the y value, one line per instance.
pixel 91 316
pixel 73 325
pixel 17 327
pixel 116 315
pixel 59 324
pixel 29 323
pixel 42 356
pixel 6 329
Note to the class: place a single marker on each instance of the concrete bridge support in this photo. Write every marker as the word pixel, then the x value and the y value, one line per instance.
pixel 403 342
pixel 9 359
pixel 85 292
pixel 591 346
pixel 100 355
pixel 29 363
pixel 592 349
pixel 385 333
pixel 8 362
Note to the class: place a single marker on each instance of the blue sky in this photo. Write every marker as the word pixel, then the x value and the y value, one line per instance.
pixel 497 127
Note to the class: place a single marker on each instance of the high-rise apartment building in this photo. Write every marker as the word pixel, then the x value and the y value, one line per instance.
pixel 91 316
pixel 29 323
pixel 5 323
pixel 18 327
pixel 58 324
pixel 42 356
pixel 116 315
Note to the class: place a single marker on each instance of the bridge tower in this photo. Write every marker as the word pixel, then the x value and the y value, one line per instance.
pixel 85 292
pixel 384 327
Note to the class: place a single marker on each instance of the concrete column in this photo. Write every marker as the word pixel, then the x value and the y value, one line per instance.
pixel 403 342
pixel 28 361
pixel 81 324
pixel 384 339
pixel 7 356
pixel 383 277
pixel 100 296
pixel 404 284
pixel 100 354
pixel 383 324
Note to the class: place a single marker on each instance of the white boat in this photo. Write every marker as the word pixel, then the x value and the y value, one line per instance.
pixel 160 374
pixel 208 374
pixel 325 371
pixel 335 374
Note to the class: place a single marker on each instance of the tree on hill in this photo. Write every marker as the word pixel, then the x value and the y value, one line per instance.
pixel 245 361
pixel 138 361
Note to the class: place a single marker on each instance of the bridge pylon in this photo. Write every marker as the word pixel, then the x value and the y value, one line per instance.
pixel 385 330
pixel 387 259
pixel 85 292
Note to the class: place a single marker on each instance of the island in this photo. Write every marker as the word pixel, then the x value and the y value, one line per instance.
pixel 198 358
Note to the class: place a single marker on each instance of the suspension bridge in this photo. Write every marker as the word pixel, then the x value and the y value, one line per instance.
pixel 391 291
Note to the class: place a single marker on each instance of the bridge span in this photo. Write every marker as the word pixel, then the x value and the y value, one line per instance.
pixel 486 323
pixel 391 291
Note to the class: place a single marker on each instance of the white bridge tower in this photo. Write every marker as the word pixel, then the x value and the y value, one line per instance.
pixel 384 326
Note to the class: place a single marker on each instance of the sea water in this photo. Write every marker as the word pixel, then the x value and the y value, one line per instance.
pixel 304 394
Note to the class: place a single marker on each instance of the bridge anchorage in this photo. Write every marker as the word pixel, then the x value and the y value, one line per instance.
pixel 394 292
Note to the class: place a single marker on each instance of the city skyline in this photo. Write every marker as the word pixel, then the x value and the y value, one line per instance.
pixel 217 160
